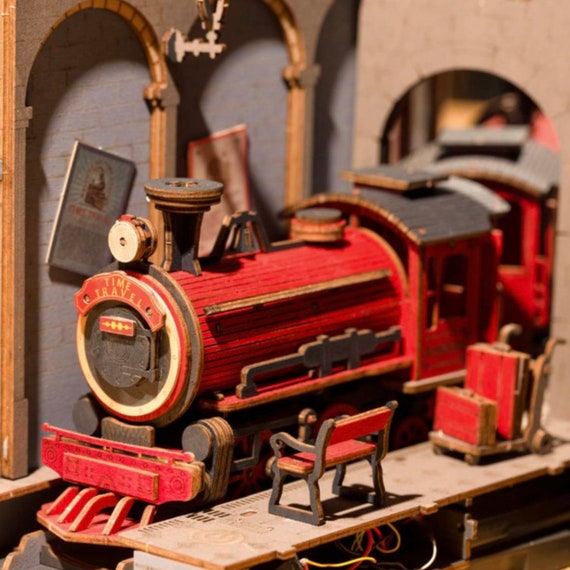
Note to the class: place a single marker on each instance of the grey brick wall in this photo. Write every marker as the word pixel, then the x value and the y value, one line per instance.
pixel 334 98
pixel 244 85
pixel 87 83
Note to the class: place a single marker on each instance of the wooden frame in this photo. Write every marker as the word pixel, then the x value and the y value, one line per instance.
pixel 15 67
pixel 162 99
pixel 222 157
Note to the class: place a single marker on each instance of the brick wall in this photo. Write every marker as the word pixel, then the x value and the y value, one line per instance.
pixel 334 98
pixel 244 85
pixel 87 84
pixel 526 43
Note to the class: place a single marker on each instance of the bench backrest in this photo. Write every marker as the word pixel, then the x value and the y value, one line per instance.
pixel 362 424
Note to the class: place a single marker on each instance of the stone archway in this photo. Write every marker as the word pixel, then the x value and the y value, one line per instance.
pixel 16 66
pixel 158 94
pixel 523 42
pixel 300 76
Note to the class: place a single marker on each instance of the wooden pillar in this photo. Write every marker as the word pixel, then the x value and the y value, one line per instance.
pixel 163 101
pixel 301 82
pixel 14 406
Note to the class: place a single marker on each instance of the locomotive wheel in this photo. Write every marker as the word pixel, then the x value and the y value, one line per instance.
pixel 408 431
pixel 334 411
pixel 541 442
pixel 251 479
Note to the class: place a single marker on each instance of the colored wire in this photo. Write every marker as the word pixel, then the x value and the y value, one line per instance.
pixel 306 562
pixel 357 546
pixel 396 534
pixel 433 554
pixel 365 554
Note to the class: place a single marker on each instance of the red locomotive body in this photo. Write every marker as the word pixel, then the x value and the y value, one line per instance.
pixel 445 241
pixel 524 173
pixel 213 329
pixel 225 349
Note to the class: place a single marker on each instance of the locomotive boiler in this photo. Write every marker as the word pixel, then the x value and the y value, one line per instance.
pixel 153 339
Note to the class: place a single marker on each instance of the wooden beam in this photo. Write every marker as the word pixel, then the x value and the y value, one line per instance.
pixel 14 406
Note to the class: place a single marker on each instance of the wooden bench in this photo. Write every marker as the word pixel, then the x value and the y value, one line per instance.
pixel 338 442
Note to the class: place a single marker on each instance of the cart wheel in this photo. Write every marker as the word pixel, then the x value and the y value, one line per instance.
pixel 472 459
pixel 438 450
pixel 541 442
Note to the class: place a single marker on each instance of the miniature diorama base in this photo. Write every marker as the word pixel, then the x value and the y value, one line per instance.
pixel 38 480
pixel 241 533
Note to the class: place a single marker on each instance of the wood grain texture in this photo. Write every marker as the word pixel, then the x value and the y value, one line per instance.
pixel 14 407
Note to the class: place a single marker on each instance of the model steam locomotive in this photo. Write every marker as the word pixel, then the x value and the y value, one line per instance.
pixel 379 292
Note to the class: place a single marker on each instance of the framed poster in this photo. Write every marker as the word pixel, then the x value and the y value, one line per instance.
pixel 222 157
pixel 95 194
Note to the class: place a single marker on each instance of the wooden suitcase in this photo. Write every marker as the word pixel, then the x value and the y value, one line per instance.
pixel 464 415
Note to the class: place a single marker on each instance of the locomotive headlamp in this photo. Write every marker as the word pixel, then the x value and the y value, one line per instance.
pixel 132 239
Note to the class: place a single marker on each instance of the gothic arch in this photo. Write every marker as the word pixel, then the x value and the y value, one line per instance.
pixel 523 42
pixel 505 78
pixel 293 38
pixel 16 66
pixel 427 51
pixel 300 76
pixel 160 95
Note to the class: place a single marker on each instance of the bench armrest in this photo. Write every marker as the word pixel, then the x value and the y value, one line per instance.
pixel 282 439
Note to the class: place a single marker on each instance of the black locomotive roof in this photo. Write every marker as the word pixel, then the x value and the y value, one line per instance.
pixel 528 166
pixel 436 210
pixel 430 215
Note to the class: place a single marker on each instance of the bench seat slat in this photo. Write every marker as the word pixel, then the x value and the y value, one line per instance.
pixel 303 463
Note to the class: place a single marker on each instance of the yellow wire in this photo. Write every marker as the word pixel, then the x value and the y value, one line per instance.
pixel 305 561
pixel 398 541
pixel 358 546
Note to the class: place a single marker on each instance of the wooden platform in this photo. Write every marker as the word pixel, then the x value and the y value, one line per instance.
pixel 42 478
pixel 241 534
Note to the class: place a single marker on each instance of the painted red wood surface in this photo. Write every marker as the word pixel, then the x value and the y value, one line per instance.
pixel 280 390
pixel 501 377
pixel 445 338
pixel 245 336
pixel 527 284
pixel 360 425
pixel 343 444
pixel 335 454
pixel 464 416
pixel 153 475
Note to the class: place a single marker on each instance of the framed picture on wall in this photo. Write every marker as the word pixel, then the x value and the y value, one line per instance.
pixel 94 195
pixel 222 157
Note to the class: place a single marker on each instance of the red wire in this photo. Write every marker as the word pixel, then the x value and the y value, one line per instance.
pixel 383 539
